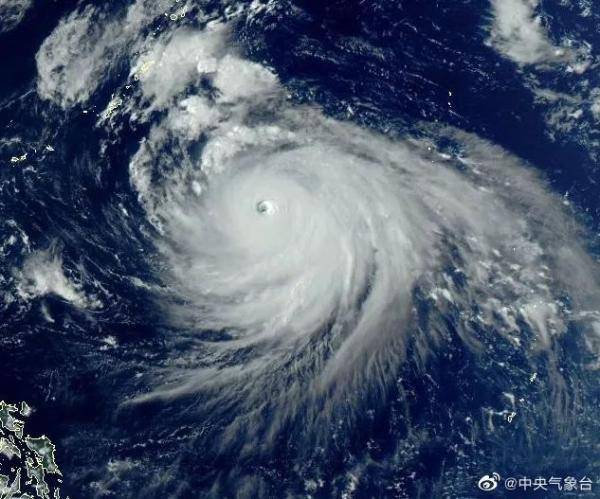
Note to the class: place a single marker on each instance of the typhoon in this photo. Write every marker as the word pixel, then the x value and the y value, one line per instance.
pixel 337 310
pixel 294 246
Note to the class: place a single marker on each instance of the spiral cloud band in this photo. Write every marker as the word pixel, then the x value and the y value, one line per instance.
pixel 293 244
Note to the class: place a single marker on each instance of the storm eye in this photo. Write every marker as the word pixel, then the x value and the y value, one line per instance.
pixel 265 207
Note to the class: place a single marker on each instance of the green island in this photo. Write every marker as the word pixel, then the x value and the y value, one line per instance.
pixel 28 468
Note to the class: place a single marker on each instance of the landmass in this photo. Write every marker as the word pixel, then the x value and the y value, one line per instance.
pixel 28 468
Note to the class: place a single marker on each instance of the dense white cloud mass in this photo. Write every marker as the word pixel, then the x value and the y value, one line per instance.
pixel 518 32
pixel 43 274
pixel 86 45
pixel 12 13
pixel 520 35
pixel 72 60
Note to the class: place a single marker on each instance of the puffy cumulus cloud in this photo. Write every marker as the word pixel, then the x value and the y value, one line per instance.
pixel 557 71
pixel 43 274
pixel 187 56
pixel 240 79
pixel 177 60
pixel 73 59
pixel 86 45
pixel 520 35
pixel 192 116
